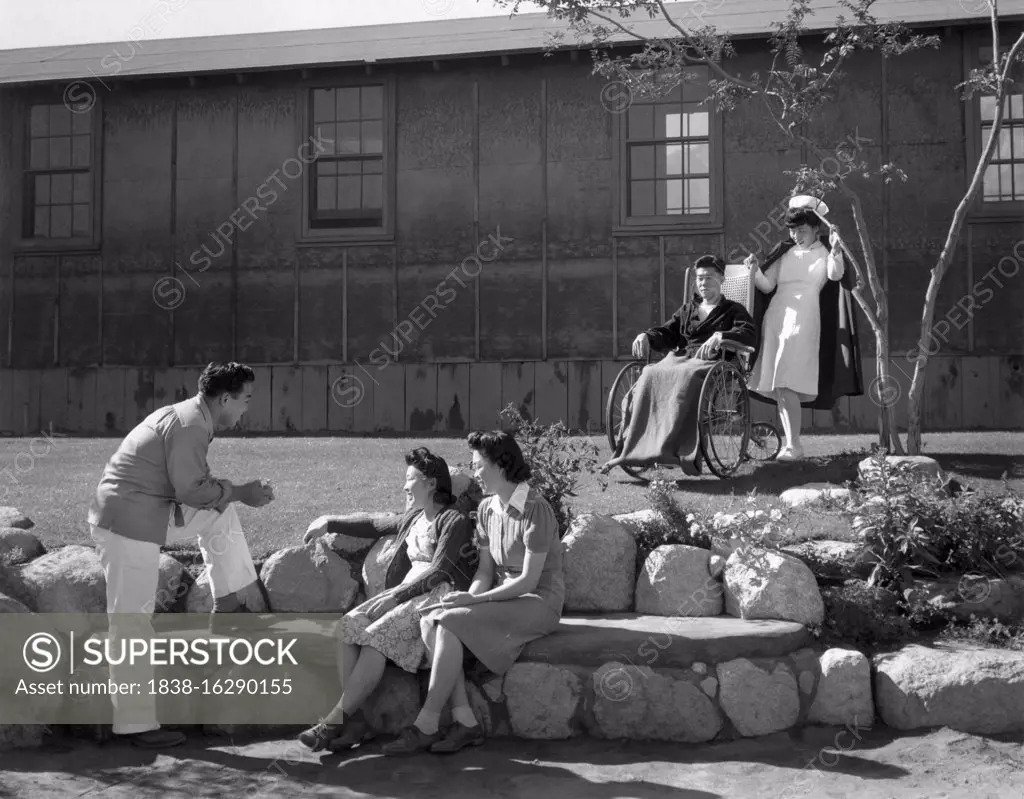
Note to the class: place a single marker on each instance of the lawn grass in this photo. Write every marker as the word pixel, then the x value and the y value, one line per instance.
pixel 318 475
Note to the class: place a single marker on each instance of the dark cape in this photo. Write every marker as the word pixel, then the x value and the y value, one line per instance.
pixel 839 364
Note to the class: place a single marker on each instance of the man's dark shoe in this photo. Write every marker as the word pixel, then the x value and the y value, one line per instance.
pixel 410 741
pixel 459 736
pixel 155 739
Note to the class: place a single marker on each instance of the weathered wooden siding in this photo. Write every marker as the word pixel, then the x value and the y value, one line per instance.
pixel 523 151
pixel 965 393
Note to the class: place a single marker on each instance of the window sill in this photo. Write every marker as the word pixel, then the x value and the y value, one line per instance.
pixel 50 247
pixel 659 229
pixel 351 239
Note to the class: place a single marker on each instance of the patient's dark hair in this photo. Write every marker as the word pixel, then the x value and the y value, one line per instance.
pixel 710 262
pixel 501 449
pixel 801 216
pixel 220 377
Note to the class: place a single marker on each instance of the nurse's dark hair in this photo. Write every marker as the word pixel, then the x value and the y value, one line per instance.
pixel 801 216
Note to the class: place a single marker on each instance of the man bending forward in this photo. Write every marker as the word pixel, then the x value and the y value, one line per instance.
pixel 155 489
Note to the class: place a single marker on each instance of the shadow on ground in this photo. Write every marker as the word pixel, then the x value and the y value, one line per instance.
pixel 580 768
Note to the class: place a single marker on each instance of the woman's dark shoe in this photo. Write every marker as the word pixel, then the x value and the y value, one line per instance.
pixel 155 739
pixel 355 730
pixel 321 736
pixel 459 736
pixel 410 741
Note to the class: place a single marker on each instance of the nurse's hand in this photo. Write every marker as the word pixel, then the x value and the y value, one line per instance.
pixel 834 238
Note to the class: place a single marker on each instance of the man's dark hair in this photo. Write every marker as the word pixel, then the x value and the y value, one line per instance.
pixel 501 449
pixel 220 377
pixel 801 216
pixel 710 262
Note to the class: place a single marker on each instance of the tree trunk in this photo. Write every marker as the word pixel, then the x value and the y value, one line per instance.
pixel 916 399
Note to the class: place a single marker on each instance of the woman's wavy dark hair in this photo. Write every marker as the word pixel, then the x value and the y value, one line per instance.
pixel 501 449
pixel 801 216
pixel 433 466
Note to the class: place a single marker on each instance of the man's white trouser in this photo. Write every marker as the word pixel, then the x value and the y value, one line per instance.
pixel 132 569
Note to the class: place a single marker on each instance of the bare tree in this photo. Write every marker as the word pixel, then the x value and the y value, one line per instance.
pixel 994 79
pixel 791 90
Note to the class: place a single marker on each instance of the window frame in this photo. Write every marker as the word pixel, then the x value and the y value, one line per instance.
pixel 21 162
pixel 974 41
pixel 308 234
pixel 669 223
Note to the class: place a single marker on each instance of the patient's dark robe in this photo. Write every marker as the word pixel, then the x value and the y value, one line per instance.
pixel 661 415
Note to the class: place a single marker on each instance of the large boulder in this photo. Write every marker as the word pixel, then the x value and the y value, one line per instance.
pixel 979 691
pixel 599 565
pixel 394 703
pixel 18 545
pixel 467 491
pixel 309 579
pixel 811 493
pixel 542 700
pixel 11 605
pixel 200 596
pixel 12 517
pixel 758 698
pixel 834 559
pixel 375 565
pixel 172 585
pixel 974 595
pixel 639 521
pixel 762 584
pixel 637 703
pixel 21 736
pixel 67 580
pixel 844 690
pixel 676 581
pixel 352 533
pixel 919 465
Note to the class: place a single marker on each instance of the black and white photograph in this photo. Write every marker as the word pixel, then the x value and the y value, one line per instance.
pixel 589 399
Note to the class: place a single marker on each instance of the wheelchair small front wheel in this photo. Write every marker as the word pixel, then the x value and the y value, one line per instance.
pixel 765 442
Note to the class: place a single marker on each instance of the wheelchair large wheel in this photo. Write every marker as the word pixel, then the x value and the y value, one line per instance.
pixel 723 419
pixel 614 419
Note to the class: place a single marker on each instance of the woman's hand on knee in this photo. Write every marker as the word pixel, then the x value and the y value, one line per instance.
pixel 460 599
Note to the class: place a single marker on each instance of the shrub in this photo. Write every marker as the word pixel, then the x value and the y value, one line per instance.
pixel 861 616
pixel 920 525
pixel 671 523
pixel 987 632
pixel 558 461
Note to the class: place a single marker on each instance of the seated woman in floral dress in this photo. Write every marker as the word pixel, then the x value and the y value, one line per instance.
pixel 433 554
pixel 516 596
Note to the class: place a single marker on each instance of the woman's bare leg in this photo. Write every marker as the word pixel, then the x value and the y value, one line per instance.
pixel 444 675
pixel 783 415
pixel 359 681
pixel 792 416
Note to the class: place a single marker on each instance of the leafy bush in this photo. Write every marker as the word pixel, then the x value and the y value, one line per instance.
pixel 671 523
pixel 861 616
pixel 987 632
pixel 919 525
pixel 558 461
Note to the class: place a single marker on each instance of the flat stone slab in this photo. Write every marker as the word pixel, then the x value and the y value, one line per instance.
pixel 593 640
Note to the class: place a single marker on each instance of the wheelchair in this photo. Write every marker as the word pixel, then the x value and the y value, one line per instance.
pixel 727 436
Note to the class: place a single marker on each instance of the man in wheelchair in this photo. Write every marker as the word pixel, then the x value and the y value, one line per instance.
pixel 659 422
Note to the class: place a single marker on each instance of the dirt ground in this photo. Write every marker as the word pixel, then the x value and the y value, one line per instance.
pixel 823 763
